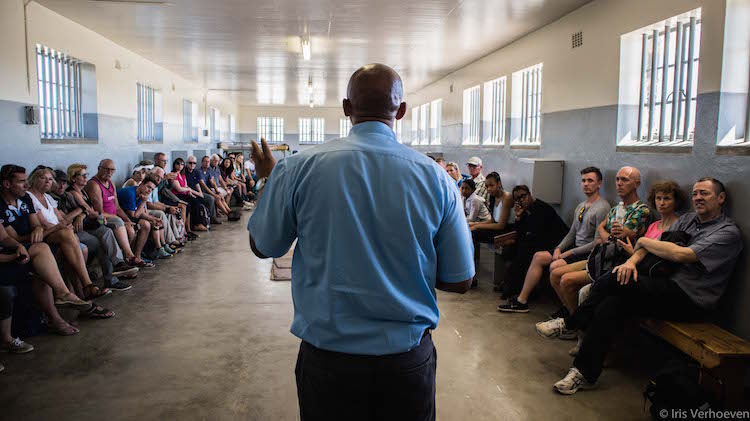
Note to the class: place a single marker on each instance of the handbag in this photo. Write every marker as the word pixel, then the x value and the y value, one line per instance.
pixel 655 266
pixel 604 258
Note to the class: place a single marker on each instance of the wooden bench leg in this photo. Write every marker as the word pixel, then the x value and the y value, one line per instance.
pixel 730 376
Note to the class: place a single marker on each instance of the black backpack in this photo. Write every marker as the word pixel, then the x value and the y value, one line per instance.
pixel 234 216
pixel 603 259
pixel 655 266
pixel 674 390
pixel 205 216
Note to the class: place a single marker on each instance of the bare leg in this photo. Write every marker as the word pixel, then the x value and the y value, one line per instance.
pixel 5 331
pixel 144 227
pixel 43 295
pixel 121 234
pixel 45 266
pixel 156 238
pixel 541 260
pixel 570 284
pixel 68 243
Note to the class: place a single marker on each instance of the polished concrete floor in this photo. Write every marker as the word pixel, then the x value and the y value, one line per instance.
pixel 205 336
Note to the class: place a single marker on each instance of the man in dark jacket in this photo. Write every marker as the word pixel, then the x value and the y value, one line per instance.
pixel 538 227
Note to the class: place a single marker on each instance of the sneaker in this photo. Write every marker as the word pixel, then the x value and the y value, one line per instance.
pixel 572 382
pixel 569 334
pixel 513 306
pixel 574 351
pixel 162 254
pixel 124 269
pixel 551 328
pixel 561 313
pixel 17 346
pixel 120 286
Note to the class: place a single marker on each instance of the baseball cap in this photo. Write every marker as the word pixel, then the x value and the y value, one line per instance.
pixel 475 160
pixel 61 176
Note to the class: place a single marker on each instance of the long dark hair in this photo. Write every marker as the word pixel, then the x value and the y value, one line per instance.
pixel 177 162
pixel 226 172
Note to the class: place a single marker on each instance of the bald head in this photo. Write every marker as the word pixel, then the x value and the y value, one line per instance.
pixel 374 93
pixel 627 181
pixel 632 172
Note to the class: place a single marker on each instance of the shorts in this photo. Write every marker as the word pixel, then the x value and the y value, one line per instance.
pixel 573 258
pixel 222 192
pixel 114 223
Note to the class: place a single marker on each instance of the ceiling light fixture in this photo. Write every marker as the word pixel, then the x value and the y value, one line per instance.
pixel 136 2
pixel 306 53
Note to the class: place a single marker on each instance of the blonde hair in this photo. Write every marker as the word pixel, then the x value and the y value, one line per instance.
pixel 454 165
pixel 74 170
pixel 39 173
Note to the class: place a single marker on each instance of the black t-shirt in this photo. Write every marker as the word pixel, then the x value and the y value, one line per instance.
pixel 17 215
pixel 193 179
pixel 541 225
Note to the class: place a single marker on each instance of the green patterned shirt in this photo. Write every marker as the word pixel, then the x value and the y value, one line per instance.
pixel 636 219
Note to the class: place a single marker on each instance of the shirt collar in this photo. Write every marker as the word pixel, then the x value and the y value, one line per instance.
pixel 375 127
pixel 719 219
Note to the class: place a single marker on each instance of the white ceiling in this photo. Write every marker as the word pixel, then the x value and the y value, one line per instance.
pixel 252 48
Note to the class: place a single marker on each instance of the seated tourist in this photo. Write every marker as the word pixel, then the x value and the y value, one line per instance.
pixel 249 170
pixel 227 174
pixel 83 220
pixel 103 200
pixel 51 213
pixel 538 227
pixel 181 189
pixel 575 246
pixel 37 265
pixel 474 206
pixel 220 187
pixel 688 294
pixel 139 173
pixel 7 342
pixel 56 230
pixel 208 187
pixel 133 201
pixel 568 279
pixel 500 207
pixel 171 216
pixel 441 161
pixel 475 172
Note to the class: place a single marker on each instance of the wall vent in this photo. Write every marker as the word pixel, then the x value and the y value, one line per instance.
pixel 577 39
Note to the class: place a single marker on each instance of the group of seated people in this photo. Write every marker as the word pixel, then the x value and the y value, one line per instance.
pixel 62 231
pixel 612 263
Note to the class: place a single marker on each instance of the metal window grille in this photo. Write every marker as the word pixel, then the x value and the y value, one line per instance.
pixel 436 115
pixel 471 116
pixel 212 125
pixel 60 94
pixel 271 129
pixel 344 126
pixel 531 104
pixel 149 101
pixel 494 111
pixel 230 128
pixel 312 130
pixel 669 62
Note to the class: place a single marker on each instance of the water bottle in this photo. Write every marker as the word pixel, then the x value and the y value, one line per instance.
pixel 620 213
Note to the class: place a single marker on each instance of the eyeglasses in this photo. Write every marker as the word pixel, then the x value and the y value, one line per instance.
pixel 84 175
pixel 107 169
pixel 191 163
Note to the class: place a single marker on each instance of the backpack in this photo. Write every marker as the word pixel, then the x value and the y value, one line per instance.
pixel 204 216
pixel 655 266
pixel 234 216
pixel 604 258
pixel 674 390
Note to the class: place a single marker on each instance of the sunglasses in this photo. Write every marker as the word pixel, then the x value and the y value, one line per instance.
pixel 580 213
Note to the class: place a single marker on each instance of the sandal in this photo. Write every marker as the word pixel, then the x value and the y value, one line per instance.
pixel 67 330
pixel 140 263
pixel 71 300
pixel 95 292
pixel 96 312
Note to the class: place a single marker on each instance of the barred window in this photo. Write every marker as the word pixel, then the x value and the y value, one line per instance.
pixel 345 124
pixel 271 129
pixel 494 111
pixel 149 113
pixel 311 130
pixel 60 94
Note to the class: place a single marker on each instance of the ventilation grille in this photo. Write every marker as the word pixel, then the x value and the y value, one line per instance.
pixel 577 39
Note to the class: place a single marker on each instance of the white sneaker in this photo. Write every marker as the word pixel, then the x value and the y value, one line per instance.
pixel 551 328
pixel 572 382
pixel 1 367
pixel 574 351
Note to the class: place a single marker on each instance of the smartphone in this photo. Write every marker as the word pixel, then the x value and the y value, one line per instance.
pixel 9 250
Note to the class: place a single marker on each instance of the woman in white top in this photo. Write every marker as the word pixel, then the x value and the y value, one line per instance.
pixel 60 232
pixel 474 207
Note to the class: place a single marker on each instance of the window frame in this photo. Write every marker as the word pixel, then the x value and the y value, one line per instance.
pixel 345 125
pixel 471 116
pixel 271 129
pixel 64 119
pixel 495 111
pixel 149 113
pixel 531 96
pixel 436 121
pixel 311 130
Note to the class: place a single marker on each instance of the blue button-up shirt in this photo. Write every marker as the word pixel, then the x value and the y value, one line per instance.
pixel 368 250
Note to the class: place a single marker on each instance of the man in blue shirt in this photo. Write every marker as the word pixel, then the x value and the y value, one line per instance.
pixel 368 258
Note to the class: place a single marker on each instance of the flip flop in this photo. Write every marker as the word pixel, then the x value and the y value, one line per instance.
pixel 68 330
pixel 71 300
pixel 101 292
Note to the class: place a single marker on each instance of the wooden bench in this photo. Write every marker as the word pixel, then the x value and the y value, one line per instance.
pixel 722 356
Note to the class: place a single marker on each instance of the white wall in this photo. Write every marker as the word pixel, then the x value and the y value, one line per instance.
pixel 115 90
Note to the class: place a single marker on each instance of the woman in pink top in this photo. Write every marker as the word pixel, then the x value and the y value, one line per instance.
pixel 667 198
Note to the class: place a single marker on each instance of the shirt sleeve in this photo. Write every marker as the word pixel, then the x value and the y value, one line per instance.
pixel 29 203
pixel 273 225
pixel 453 245
pixel 569 239
pixel 127 201
pixel 719 248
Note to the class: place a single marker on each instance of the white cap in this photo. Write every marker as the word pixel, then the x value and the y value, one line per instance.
pixel 475 160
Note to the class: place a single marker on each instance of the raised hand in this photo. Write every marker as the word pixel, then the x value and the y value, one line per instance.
pixel 264 160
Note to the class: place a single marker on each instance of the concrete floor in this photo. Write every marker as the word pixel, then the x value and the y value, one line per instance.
pixel 205 336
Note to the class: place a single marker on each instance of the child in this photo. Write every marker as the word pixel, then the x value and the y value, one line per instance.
pixel 474 207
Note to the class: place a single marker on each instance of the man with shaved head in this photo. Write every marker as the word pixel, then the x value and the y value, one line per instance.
pixel 702 268
pixel 368 258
